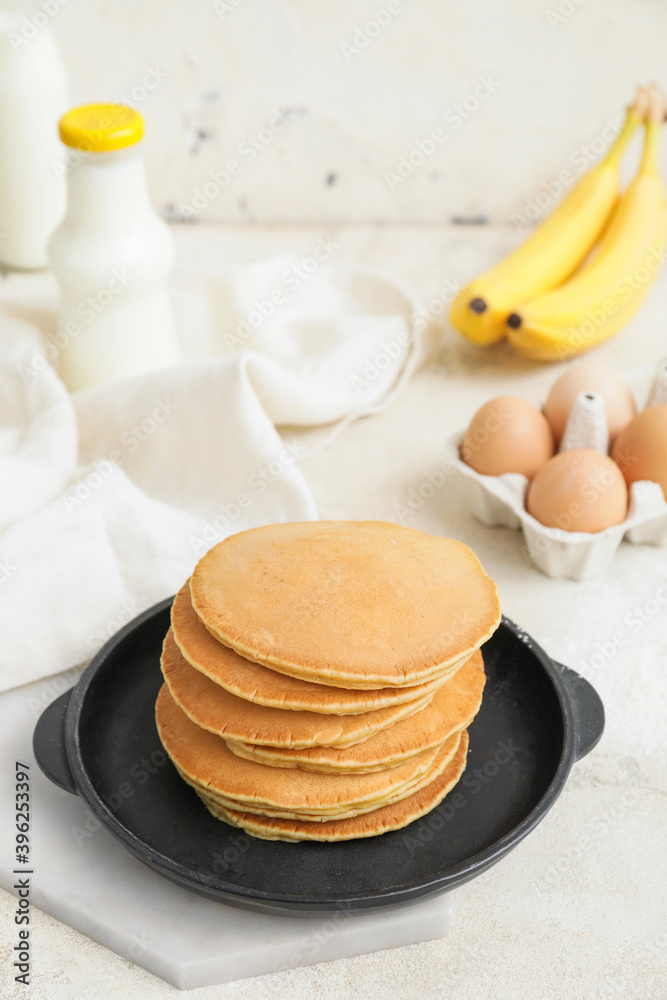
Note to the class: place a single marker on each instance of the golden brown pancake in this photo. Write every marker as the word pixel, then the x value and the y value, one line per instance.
pixel 205 761
pixel 216 710
pixel 254 682
pixel 341 812
pixel 370 824
pixel 452 708
pixel 353 604
pixel 438 762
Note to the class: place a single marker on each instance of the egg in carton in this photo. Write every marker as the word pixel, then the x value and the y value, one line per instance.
pixel 577 555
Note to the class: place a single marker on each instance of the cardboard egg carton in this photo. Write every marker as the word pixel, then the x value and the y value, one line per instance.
pixel 576 555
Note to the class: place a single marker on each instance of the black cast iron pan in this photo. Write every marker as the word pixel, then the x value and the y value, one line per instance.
pixel 99 741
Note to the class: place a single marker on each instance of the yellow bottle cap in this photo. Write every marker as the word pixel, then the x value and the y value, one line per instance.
pixel 99 128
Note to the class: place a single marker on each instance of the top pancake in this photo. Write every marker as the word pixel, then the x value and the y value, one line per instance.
pixel 355 604
pixel 256 683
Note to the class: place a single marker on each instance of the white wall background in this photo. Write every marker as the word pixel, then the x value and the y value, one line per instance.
pixel 560 69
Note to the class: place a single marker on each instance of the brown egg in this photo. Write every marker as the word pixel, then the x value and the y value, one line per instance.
pixel 507 434
pixel 578 490
pixel 589 376
pixel 640 450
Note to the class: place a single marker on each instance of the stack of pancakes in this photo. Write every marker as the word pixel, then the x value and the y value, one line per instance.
pixel 320 677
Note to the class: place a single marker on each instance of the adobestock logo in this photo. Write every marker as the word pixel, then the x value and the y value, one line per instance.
pixel 565 9
pixel 418 495
pixel 247 151
pixel 85 310
pixel 257 483
pixel 582 158
pixel 7 567
pixel 224 7
pixel 388 353
pixel 427 146
pixel 30 27
pixel 365 33
pixel 632 283
pixel 292 279
pixel 633 621
pixel 473 781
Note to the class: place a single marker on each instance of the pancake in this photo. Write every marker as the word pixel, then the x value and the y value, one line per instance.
pixel 370 824
pixel 353 604
pixel 213 708
pixel 204 760
pixel 452 708
pixel 254 682
pixel 438 762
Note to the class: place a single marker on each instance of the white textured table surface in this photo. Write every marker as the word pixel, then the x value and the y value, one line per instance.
pixel 579 908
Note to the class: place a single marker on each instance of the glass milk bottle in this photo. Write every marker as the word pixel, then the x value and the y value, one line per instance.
pixel 112 255
pixel 33 96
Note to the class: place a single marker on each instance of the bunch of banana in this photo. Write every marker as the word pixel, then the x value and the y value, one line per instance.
pixel 528 297
pixel 608 289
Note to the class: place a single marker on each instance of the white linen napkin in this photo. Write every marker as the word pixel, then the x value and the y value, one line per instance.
pixel 109 497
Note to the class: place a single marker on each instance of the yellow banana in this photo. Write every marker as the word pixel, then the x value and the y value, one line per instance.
pixel 549 255
pixel 609 288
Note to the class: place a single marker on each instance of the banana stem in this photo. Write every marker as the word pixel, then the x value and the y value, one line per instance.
pixel 616 152
pixel 650 159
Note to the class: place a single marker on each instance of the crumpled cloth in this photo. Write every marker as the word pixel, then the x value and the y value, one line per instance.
pixel 110 496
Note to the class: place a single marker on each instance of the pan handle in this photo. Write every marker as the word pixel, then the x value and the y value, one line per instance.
pixel 588 711
pixel 48 743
